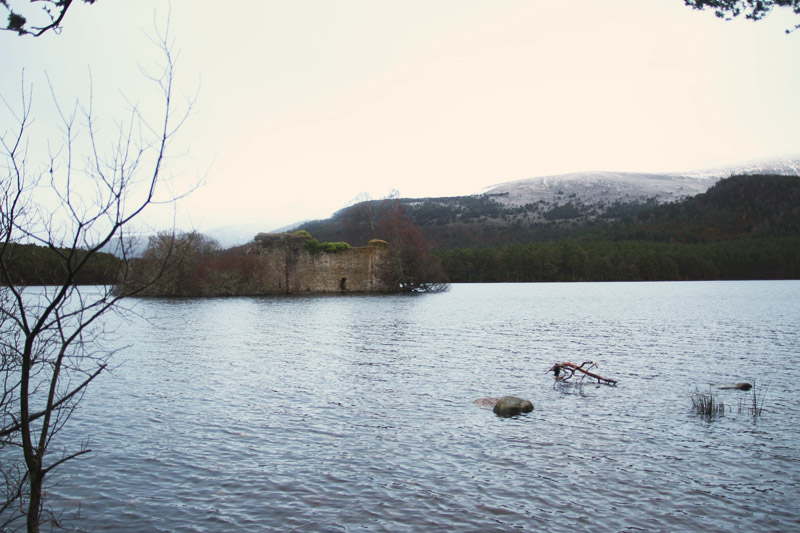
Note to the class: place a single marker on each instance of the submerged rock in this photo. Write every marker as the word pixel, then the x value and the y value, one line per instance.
pixel 512 406
pixel 485 403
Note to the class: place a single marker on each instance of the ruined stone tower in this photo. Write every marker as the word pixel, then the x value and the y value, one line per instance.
pixel 286 266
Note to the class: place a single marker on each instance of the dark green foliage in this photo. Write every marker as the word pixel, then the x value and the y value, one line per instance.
pixel 568 210
pixel 334 247
pixel 740 206
pixel 626 210
pixel 358 223
pixel 29 264
pixel 746 227
pixel 735 207
pixel 774 258
pixel 314 246
pixel 331 229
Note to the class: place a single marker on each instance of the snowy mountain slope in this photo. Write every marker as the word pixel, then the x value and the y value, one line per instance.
pixel 603 188
pixel 596 191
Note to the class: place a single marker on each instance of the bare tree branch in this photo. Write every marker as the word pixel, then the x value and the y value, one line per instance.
pixel 50 339
pixel 53 12
pixel 752 9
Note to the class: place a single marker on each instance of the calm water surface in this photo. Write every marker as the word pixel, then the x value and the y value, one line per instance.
pixel 355 413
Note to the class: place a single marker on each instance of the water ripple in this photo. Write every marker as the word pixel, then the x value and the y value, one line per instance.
pixel 343 414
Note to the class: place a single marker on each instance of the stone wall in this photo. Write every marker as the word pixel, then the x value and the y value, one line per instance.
pixel 287 267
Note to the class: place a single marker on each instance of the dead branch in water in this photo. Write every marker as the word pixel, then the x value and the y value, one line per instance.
pixel 564 371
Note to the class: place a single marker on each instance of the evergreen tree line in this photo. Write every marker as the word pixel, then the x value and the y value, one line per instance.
pixel 745 227
pixel 773 258
pixel 31 264
pixel 740 206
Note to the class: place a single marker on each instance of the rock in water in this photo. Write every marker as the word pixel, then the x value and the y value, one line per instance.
pixel 738 386
pixel 512 406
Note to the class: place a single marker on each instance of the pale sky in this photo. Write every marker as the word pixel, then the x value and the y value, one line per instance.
pixel 305 104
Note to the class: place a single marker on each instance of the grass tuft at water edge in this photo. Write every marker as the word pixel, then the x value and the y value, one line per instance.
pixel 707 405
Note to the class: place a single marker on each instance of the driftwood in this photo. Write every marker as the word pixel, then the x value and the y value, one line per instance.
pixel 738 386
pixel 564 371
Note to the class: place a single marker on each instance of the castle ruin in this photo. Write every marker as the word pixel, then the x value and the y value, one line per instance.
pixel 288 267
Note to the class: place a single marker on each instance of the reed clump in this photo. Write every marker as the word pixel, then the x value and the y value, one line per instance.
pixel 707 405
pixel 754 403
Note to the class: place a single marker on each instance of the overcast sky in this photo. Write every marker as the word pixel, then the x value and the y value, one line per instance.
pixel 303 105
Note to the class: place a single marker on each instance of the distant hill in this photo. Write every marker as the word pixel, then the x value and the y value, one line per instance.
pixel 736 207
pixel 534 209
pixel 743 227
pixel 539 209
pixel 603 189
pixel 609 227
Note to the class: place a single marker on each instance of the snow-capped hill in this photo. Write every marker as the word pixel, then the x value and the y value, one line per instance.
pixel 597 188
pixel 783 166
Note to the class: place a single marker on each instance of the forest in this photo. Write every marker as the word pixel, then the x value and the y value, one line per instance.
pixel 31 264
pixel 744 227
pixel 591 260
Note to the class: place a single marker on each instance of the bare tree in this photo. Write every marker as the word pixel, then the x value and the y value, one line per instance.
pixel 49 15
pixel 751 9
pixel 412 268
pixel 176 265
pixel 79 202
pixel 362 216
